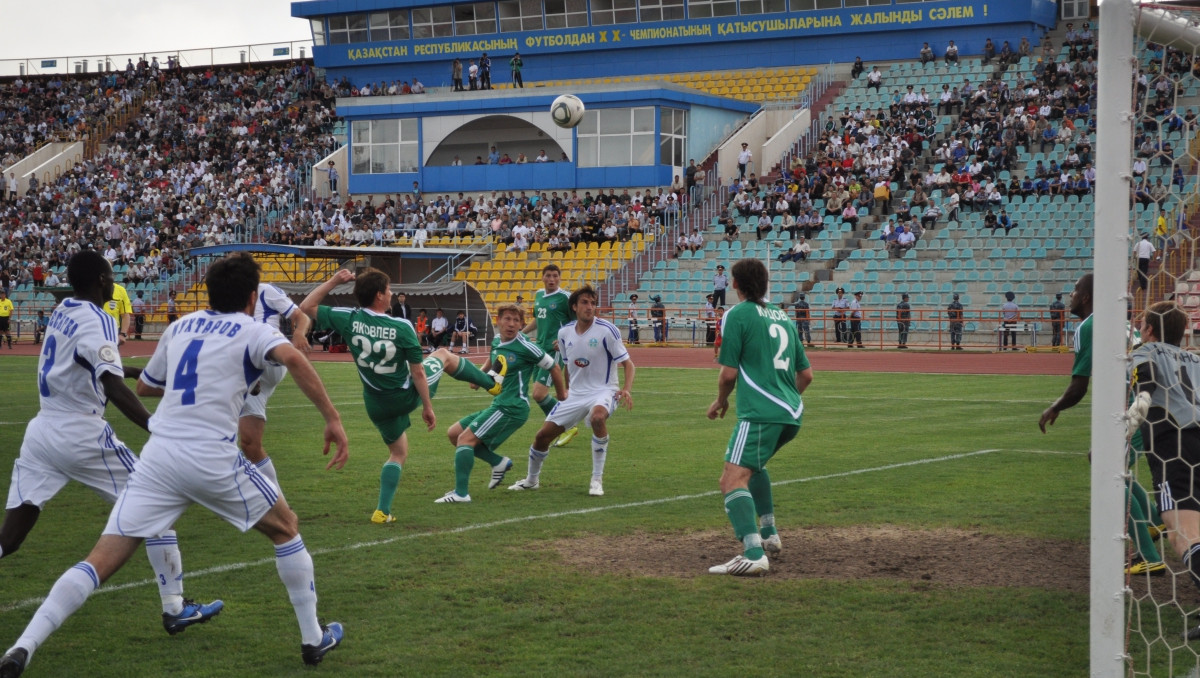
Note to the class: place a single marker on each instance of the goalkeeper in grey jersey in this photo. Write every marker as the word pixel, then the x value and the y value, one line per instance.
pixel 1164 379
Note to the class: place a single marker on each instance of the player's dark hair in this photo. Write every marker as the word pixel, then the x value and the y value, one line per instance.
pixel 751 278
pixel 84 271
pixel 511 308
pixel 551 267
pixel 586 289
pixel 369 283
pixel 231 282
pixel 1168 321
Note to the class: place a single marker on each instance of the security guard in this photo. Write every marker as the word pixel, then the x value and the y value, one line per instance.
pixel 1058 317
pixel 903 320
pixel 954 313
pixel 803 321
pixel 840 306
pixel 854 336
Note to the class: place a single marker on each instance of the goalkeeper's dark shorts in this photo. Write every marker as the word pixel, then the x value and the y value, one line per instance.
pixel 1174 458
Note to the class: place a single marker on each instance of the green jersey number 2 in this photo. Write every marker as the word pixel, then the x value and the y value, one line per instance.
pixel 368 355
pixel 780 334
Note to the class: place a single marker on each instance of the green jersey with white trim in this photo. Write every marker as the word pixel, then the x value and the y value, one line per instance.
pixel 523 357
pixel 382 346
pixel 760 342
pixel 552 312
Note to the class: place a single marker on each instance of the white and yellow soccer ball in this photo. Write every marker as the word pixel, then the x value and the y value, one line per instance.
pixel 567 111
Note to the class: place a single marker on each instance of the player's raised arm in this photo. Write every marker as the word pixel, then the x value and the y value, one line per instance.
pixel 309 306
pixel 306 377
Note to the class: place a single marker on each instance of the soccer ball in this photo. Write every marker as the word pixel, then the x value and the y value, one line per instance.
pixel 567 111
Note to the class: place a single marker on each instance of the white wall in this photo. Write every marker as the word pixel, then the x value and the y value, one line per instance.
pixel 320 180
pixel 47 162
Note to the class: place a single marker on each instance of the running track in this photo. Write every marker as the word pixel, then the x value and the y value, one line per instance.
pixel 836 360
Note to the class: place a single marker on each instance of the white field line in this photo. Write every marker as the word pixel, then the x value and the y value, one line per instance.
pixel 31 602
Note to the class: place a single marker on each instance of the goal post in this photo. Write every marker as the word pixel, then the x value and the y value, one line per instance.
pixel 1114 148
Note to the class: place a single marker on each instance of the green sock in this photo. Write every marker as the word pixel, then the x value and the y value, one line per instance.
pixel 468 372
pixel 484 454
pixel 547 403
pixel 389 479
pixel 739 505
pixel 760 489
pixel 1137 526
pixel 464 459
pixel 1149 508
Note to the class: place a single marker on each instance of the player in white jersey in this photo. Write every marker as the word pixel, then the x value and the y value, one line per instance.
pixel 79 372
pixel 591 348
pixel 272 306
pixel 202 368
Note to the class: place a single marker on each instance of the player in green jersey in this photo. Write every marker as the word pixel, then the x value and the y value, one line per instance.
pixel 388 355
pixel 1144 521
pixel 551 311
pixel 761 355
pixel 481 434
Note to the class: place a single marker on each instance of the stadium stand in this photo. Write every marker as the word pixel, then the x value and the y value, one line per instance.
pixel 216 155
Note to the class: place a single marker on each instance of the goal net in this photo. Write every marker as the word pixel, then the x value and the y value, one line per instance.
pixel 1161 474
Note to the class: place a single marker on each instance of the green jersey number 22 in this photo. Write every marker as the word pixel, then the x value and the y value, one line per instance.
pixel 368 355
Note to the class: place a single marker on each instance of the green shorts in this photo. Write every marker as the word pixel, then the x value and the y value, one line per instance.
pixel 541 376
pixel 389 410
pixel 754 443
pixel 493 426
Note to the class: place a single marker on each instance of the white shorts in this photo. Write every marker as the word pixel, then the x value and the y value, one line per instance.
pixel 62 447
pixel 256 405
pixel 174 473
pixel 576 409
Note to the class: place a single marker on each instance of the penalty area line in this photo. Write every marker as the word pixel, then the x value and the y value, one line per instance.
pixel 231 567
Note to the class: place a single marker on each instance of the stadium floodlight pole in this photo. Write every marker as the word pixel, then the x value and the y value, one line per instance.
pixel 1114 147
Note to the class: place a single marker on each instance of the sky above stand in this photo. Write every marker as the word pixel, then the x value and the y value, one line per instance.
pixel 65 28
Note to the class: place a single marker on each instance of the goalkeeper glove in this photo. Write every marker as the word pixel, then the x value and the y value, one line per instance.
pixel 1136 414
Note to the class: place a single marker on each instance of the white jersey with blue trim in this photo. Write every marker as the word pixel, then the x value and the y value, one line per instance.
pixel 205 364
pixel 273 304
pixel 80 345
pixel 592 357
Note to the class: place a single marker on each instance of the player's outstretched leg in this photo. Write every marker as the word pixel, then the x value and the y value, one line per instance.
pixel 67 595
pixel 465 370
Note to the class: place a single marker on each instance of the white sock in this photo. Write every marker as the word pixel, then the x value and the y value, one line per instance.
pixel 163 552
pixel 67 596
pixel 267 468
pixel 599 454
pixel 295 568
pixel 536 457
pixel 1 551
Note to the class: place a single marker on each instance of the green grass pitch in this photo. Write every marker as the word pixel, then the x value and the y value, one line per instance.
pixel 488 589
